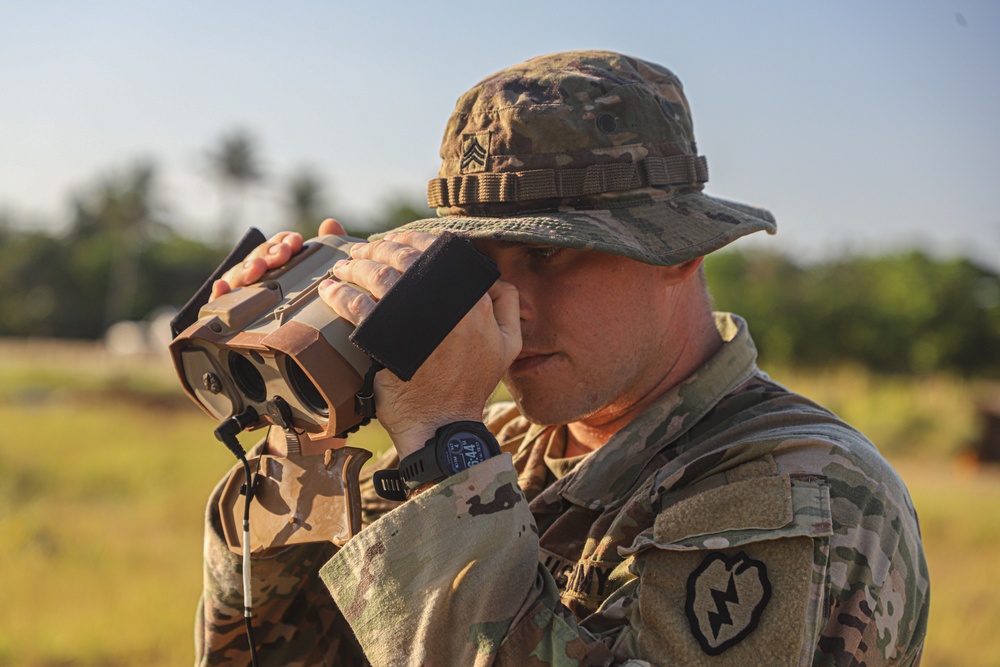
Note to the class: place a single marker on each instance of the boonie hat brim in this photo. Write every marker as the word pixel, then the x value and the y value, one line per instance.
pixel 660 230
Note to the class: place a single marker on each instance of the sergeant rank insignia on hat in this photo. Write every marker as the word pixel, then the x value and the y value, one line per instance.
pixel 475 151
pixel 725 599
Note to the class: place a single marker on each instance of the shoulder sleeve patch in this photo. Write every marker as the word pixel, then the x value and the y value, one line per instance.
pixel 725 599
pixel 734 574
pixel 747 606
pixel 760 467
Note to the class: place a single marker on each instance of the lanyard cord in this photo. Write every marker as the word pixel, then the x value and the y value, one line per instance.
pixel 226 434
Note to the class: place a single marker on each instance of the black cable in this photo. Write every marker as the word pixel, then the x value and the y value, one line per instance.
pixel 226 434
pixel 247 615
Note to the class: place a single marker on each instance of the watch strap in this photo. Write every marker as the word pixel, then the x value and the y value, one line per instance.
pixel 429 464
pixel 389 484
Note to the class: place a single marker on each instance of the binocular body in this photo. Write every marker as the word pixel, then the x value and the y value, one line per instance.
pixel 277 347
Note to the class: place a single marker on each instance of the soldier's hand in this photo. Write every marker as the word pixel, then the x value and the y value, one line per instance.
pixel 457 379
pixel 268 255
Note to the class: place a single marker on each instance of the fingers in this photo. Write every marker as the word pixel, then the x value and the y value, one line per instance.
pixel 269 255
pixel 374 268
pixel 275 252
pixel 331 226
pixel 346 300
pixel 399 256
pixel 219 287
pixel 419 240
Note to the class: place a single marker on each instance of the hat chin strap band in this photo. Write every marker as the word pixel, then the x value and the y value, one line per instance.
pixel 522 186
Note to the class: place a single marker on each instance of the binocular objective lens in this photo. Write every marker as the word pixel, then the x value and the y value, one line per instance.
pixel 247 377
pixel 305 389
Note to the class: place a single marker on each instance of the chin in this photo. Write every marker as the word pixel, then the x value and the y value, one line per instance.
pixel 539 408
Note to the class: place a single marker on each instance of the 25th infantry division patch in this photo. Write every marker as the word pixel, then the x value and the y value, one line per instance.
pixel 725 599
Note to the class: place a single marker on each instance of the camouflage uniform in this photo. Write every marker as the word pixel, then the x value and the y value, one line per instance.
pixel 733 522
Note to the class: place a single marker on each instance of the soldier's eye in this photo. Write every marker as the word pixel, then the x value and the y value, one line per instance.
pixel 543 252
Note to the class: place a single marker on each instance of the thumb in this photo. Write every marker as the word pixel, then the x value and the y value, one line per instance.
pixel 507 311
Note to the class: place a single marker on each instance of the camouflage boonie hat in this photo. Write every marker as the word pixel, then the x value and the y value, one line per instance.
pixel 584 149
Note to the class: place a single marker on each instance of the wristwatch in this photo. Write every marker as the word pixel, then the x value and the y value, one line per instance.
pixel 455 447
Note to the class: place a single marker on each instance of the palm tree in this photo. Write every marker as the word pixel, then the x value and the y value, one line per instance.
pixel 236 165
pixel 124 209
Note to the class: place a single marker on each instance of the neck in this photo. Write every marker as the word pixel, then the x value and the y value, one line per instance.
pixel 593 431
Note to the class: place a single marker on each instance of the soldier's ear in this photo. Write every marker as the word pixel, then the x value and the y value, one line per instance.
pixel 678 273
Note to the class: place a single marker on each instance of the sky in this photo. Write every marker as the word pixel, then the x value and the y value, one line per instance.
pixel 864 126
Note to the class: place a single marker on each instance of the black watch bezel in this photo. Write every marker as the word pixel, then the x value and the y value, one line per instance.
pixel 436 461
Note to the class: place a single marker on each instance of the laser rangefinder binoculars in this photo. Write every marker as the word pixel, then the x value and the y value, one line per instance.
pixel 278 348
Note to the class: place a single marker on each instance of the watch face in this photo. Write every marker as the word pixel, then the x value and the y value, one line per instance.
pixel 465 450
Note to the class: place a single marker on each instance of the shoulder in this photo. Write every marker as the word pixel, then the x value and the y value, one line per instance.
pixel 728 573
pixel 777 503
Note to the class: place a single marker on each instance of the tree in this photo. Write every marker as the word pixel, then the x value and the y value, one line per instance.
pixel 236 165
pixel 897 313
pixel 306 202
pixel 398 211
pixel 118 220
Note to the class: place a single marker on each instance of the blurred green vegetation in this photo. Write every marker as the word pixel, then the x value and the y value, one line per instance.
pixel 105 464
pixel 899 313
pixel 105 467
pixel 118 255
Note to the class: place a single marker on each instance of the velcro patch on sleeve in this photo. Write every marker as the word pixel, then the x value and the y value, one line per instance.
pixel 759 503
pixel 745 606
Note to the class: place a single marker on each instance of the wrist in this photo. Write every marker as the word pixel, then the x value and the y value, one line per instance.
pixel 453 448
pixel 414 438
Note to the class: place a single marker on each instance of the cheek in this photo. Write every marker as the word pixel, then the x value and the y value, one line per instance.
pixel 595 321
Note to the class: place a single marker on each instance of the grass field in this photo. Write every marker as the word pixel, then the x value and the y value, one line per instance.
pixel 104 469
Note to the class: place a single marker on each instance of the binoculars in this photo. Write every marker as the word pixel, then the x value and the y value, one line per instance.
pixel 275 351
pixel 276 347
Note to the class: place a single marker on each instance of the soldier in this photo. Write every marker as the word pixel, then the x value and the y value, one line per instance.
pixel 650 497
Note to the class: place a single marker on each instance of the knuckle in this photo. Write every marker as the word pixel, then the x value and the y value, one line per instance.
pixel 360 250
pixel 358 304
pixel 284 237
pixel 409 255
pixel 384 274
pixel 408 235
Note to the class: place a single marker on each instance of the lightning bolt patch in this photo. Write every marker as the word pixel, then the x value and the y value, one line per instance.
pixel 721 615
pixel 726 597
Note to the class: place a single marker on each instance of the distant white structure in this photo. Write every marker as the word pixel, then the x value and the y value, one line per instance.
pixel 148 337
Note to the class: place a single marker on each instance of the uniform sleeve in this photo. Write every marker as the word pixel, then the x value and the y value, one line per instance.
pixel 732 576
pixel 452 578
pixel 877 608
pixel 784 569
pixel 295 620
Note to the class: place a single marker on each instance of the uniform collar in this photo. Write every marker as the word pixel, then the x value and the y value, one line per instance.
pixel 611 473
